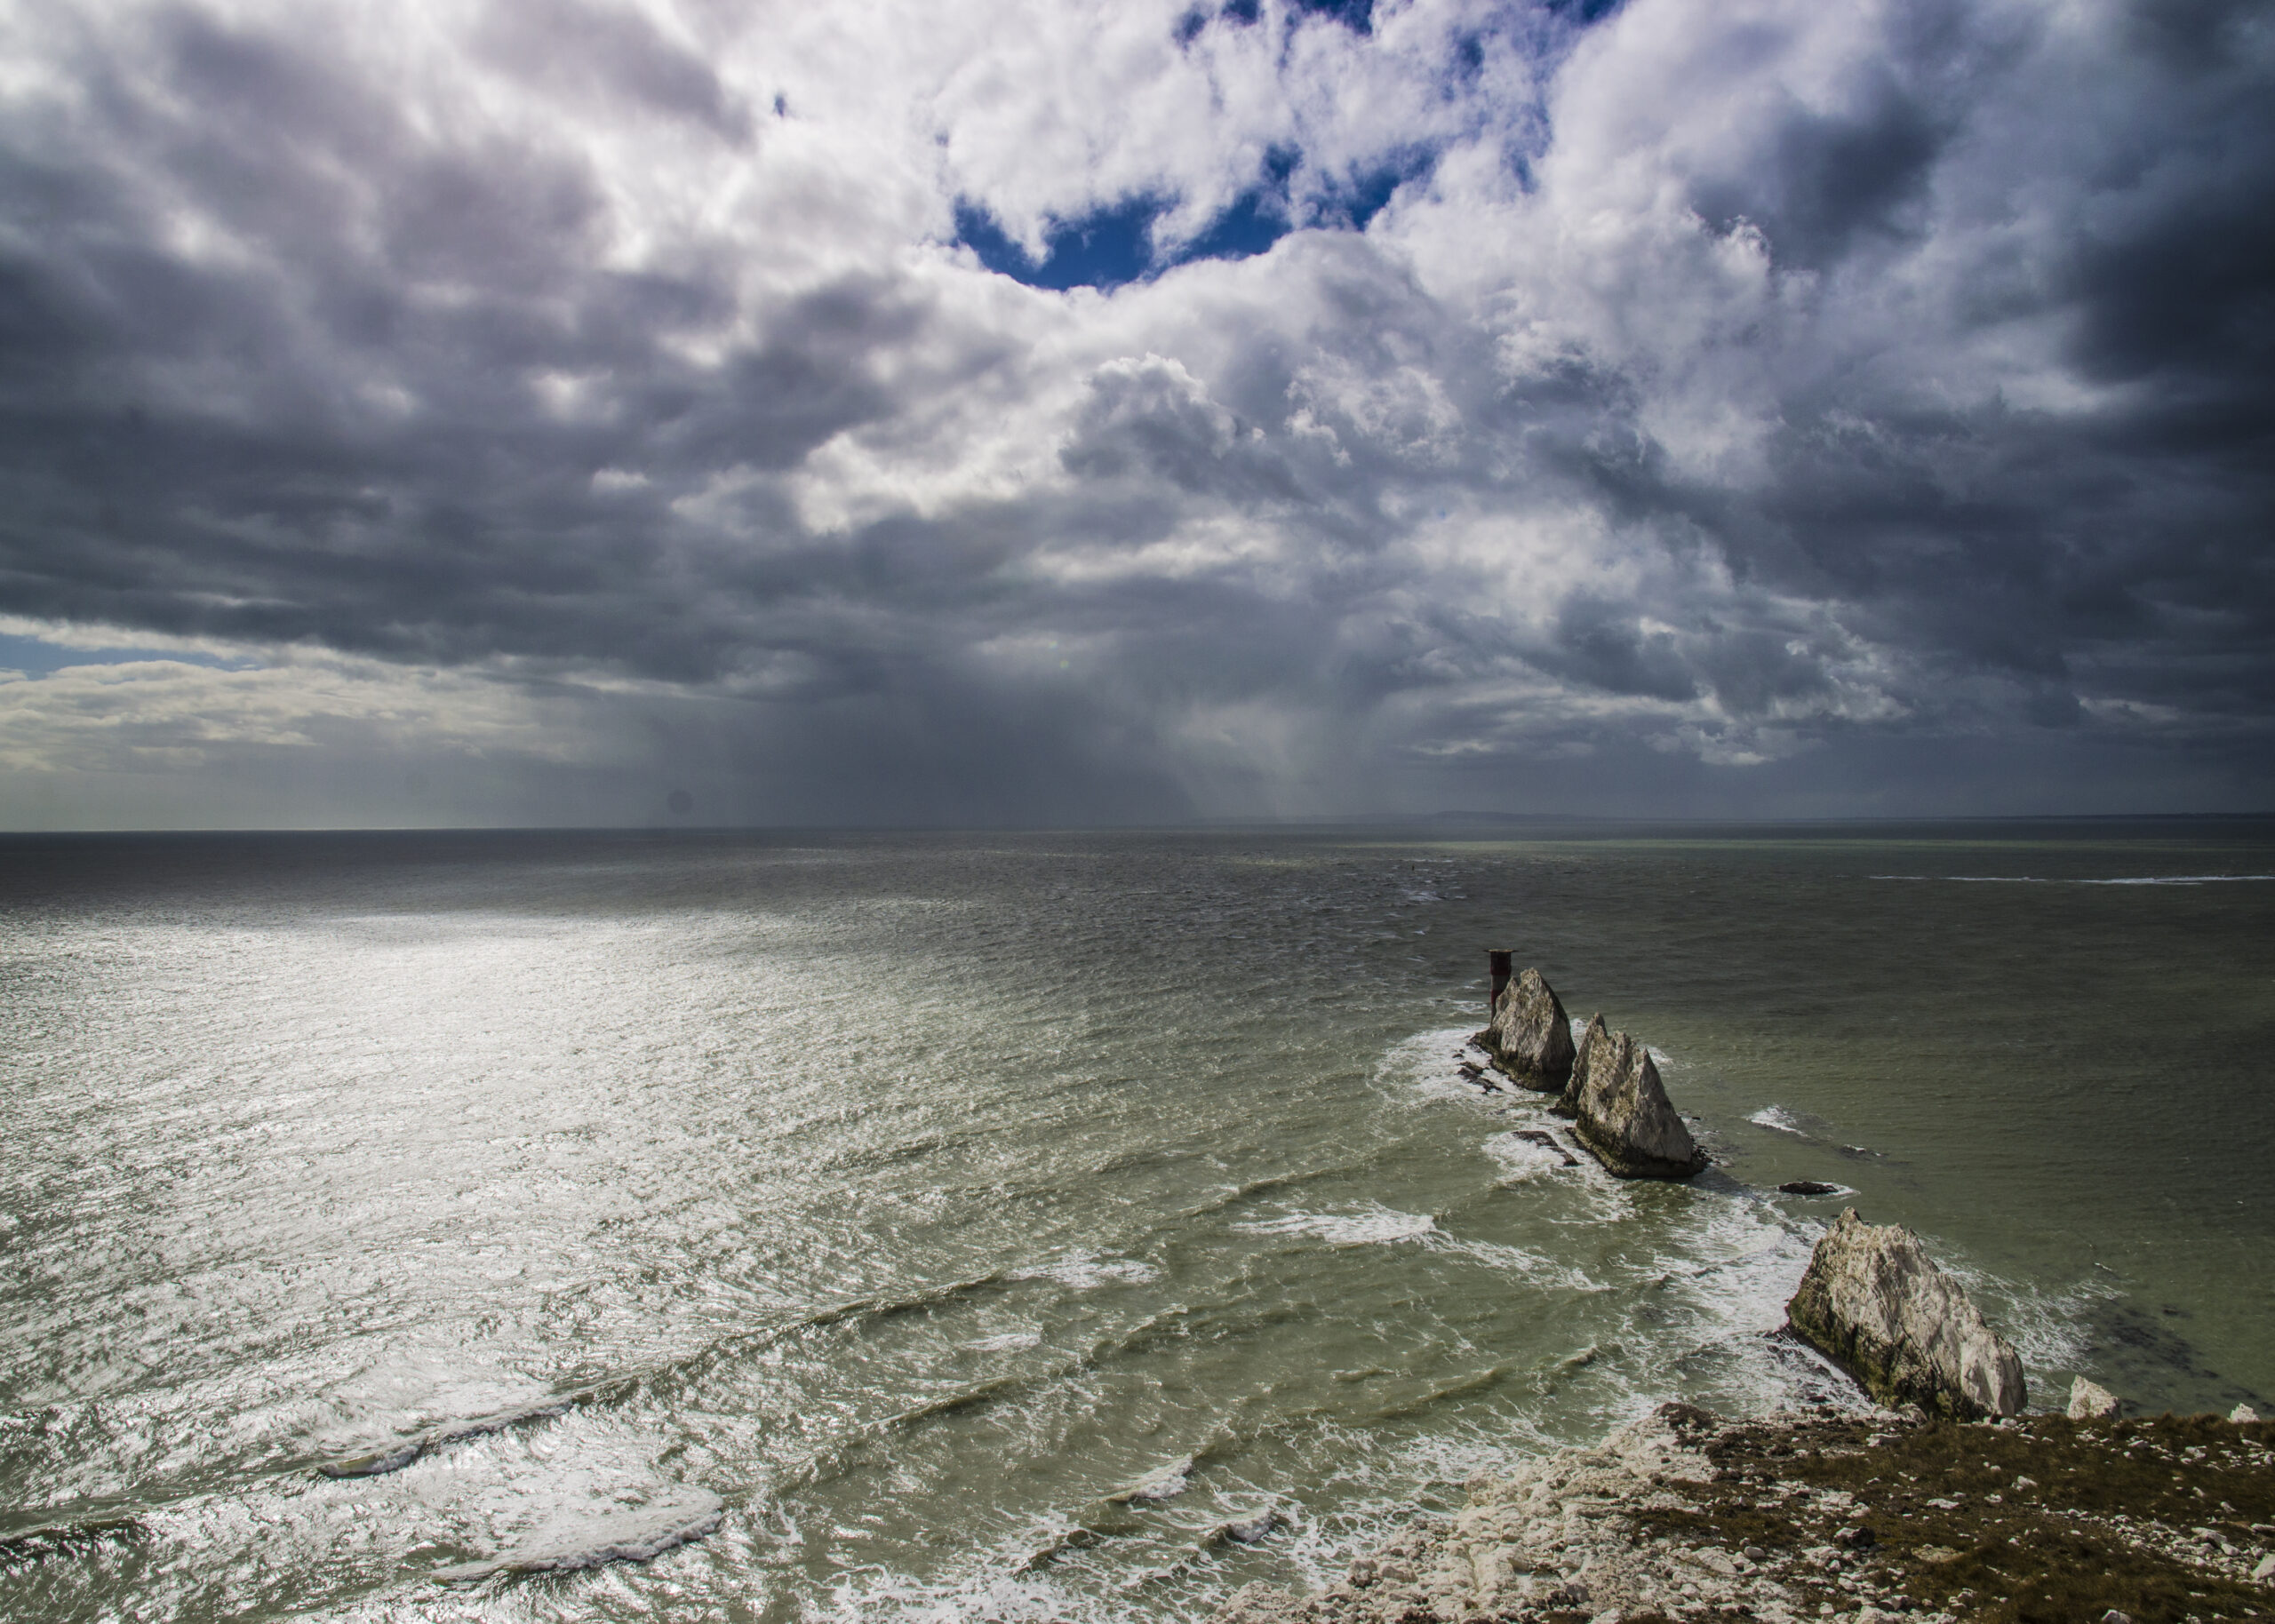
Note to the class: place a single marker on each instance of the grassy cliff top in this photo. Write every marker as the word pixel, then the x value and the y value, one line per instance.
pixel 2038 1518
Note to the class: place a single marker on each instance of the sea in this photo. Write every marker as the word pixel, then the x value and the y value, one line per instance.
pixel 885 1225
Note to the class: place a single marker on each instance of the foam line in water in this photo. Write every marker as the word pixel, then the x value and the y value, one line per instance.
pixel 884 1305
pixel 1373 1226
pixel 1009 1342
pixel 1085 1270
pixel 636 1536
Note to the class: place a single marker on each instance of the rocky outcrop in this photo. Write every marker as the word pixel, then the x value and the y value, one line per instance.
pixel 1874 1302
pixel 2090 1401
pixel 1568 1104
pixel 1621 1112
pixel 1876 1518
pixel 1531 1038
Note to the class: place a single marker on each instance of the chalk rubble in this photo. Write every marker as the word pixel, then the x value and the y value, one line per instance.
pixel 1874 1302
pixel 2090 1401
pixel 1558 1536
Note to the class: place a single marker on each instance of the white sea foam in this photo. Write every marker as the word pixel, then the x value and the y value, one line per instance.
pixel 994 1594
pixel 1427 1066
pixel 1522 1158
pixel 1368 1226
pixel 2048 1327
pixel 1777 1117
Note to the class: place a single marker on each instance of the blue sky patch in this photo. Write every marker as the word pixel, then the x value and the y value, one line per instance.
pixel 1113 245
pixel 1582 11
pixel 1356 15
pixel 37 657
pixel 1359 199
pixel 1103 249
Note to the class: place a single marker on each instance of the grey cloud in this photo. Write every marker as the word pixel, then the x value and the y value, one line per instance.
pixel 1150 416
pixel 1603 645
pixel 580 50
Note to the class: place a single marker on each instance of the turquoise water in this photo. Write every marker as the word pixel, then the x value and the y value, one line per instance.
pixel 887 1209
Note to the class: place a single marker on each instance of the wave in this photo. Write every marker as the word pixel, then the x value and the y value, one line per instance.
pixel 53 1535
pixel 392 1457
pixel 632 1536
pixel 395 1457
pixel 1460 1387
pixel 1235 1195
pixel 1802 1126
pixel 1163 1483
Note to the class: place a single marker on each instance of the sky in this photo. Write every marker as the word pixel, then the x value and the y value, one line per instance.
pixel 1043 412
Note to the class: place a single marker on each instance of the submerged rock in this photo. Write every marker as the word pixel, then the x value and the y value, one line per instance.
pixel 1163 1483
pixel 1874 1302
pixel 1250 1530
pixel 1546 1140
pixel 1531 1038
pixel 2090 1401
pixel 1621 1112
pixel 1809 1187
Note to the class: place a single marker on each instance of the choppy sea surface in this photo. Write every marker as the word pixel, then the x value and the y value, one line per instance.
pixel 935 1227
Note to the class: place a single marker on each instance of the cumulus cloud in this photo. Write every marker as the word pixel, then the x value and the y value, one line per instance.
pixel 1057 412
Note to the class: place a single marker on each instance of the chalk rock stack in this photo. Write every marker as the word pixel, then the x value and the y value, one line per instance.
pixel 1873 1302
pixel 1531 1038
pixel 1621 1112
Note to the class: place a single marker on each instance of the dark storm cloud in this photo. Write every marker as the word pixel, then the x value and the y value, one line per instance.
pixel 1748 385
pixel 210 446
